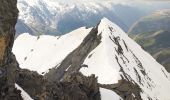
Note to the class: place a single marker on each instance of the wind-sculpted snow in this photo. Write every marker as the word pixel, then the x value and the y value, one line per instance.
pixel 113 58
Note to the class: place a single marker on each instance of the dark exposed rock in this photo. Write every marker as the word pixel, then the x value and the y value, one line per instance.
pixel 7 80
pixel 74 87
pixel 126 89
pixel 8 63
pixel 31 82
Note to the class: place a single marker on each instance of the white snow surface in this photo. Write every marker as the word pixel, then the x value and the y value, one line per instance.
pixel 139 67
pixel 24 95
pixel 45 52
pixel 109 95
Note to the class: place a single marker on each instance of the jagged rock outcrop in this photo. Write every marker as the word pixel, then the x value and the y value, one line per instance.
pixel 74 87
pixel 7 80
pixel 8 63
pixel 126 89
pixel 31 82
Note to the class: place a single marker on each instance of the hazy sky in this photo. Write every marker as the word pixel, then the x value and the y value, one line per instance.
pixel 76 1
pixel 103 0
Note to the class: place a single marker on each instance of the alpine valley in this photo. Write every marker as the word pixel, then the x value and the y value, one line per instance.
pixel 152 32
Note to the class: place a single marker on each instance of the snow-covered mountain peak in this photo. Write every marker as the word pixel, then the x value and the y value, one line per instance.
pixel 105 50
pixel 118 56
pixel 106 24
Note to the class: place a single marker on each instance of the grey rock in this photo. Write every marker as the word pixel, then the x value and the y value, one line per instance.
pixel 8 63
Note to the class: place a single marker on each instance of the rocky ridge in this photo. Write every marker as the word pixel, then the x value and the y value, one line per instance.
pixel 8 63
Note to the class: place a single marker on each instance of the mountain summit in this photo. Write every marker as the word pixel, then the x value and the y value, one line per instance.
pixel 124 69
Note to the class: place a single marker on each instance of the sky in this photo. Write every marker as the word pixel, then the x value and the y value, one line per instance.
pixel 116 1
pixel 103 0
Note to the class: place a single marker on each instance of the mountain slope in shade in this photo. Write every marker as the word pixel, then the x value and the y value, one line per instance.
pixel 105 51
pixel 158 20
pixel 153 32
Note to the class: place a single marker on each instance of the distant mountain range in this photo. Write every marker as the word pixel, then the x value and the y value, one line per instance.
pixel 153 33
pixel 53 18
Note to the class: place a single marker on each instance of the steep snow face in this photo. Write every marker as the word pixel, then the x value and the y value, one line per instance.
pixel 24 95
pixel 109 95
pixel 118 57
pixel 40 53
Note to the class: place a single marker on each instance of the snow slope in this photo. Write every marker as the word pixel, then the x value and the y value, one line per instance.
pixel 116 57
pixel 109 95
pixel 24 95
pixel 40 53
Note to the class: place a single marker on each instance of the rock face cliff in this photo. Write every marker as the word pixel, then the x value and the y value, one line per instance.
pixel 8 63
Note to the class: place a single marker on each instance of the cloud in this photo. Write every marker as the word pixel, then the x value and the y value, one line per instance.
pixel 116 1
pixel 157 0
pixel 69 1
pixel 126 2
